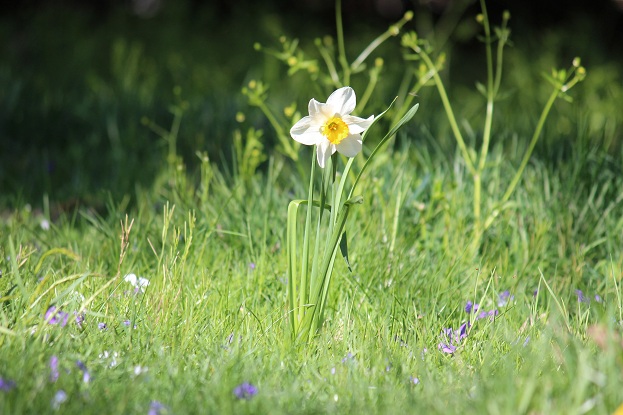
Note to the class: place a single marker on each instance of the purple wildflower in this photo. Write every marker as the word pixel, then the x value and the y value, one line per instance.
pixel 484 314
pixel 535 293
pixel 463 331
pixel 471 307
pixel 581 297
pixel 53 369
pixel 245 391
pixel 333 370
pixel 451 339
pixel 504 298
pixel 128 323
pixel 525 343
pixel 414 380
pixel 348 357
pixel 598 298
pixel 252 266
pixel 156 408
pixel 6 385
pixel 52 316
pixel 86 376
pixel 102 326
pixel 79 318
pixel 447 347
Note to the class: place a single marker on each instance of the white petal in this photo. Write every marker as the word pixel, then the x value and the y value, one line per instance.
pixel 306 131
pixel 131 278
pixel 350 146
pixel 357 125
pixel 325 149
pixel 342 101
pixel 314 107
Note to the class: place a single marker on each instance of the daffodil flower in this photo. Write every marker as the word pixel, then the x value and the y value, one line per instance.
pixel 330 126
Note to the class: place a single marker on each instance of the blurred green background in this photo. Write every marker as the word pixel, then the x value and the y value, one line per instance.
pixel 77 78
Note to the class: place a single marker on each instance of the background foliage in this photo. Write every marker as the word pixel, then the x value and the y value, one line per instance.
pixel 76 81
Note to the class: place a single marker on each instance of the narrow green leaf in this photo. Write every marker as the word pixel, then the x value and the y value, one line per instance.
pixel 344 250
pixel 405 119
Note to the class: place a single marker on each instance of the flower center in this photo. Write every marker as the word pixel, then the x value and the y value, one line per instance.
pixel 335 129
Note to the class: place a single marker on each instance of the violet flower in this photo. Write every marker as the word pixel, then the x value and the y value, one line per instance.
pixel 245 391
pixel 156 408
pixel 504 298
pixel 79 318
pixel 86 376
pixel 6 385
pixel 451 339
pixel 469 307
pixel 52 316
pixel 581 297
pixel 54 369
pixel 447 347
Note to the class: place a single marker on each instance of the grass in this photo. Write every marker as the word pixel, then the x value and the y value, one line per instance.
pixel 209 320
pixel 211 241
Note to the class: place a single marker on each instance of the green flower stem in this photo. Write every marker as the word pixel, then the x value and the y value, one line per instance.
pixel 409 98
pixel 487 128
pixel 335 78
pixel 312 320
pixel 389 135
pixel 374 77
pixel 285 142
pixel 448 109
pixel 533 141
pixel 340 42
pixel 393 30
pixel 303 296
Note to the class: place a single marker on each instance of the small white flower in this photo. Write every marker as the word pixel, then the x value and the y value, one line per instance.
pixel 106 355
pixel 45 224
pixel 331 127
pixel 137 282
pixel 59 398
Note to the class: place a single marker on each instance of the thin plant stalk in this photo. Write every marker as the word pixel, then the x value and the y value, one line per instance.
pixel 303 296
pixel 340 43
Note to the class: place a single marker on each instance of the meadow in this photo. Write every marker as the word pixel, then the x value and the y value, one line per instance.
pixel 162 285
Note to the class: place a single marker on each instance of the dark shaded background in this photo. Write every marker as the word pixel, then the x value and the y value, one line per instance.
pixel 76 77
